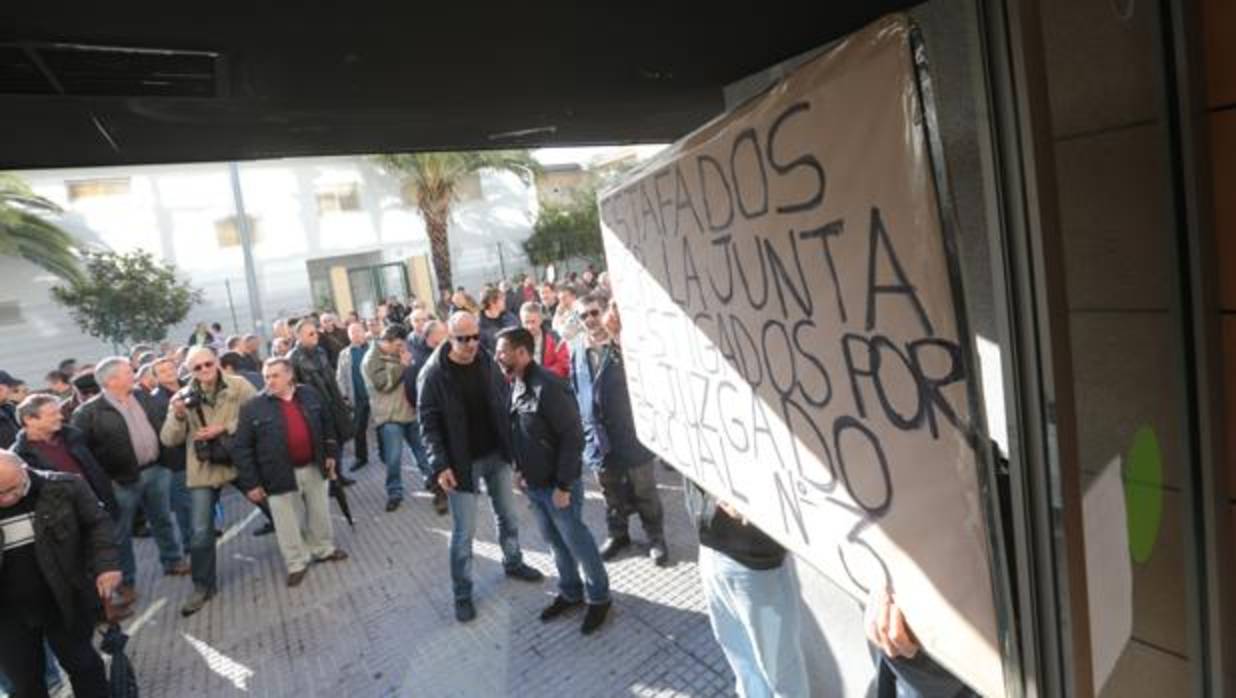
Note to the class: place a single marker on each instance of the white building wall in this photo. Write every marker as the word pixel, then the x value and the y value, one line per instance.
pixel 172 211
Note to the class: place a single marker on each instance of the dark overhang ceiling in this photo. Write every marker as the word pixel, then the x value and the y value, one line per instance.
pixel 139 82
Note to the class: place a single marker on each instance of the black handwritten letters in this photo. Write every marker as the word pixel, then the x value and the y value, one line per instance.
pixel 777 343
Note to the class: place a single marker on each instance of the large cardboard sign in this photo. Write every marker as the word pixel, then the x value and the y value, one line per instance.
pixel 791 335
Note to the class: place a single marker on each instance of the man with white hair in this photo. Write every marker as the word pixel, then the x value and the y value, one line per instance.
pixel 204 415
pixel 334 337
pixel 59 552
pixel 121 430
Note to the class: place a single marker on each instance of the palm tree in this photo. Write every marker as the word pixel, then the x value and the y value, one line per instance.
pixel 25 231
pixel 434 176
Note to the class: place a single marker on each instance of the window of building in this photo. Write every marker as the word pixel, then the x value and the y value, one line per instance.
pixel 227 232
pixel 338 197
pixel 95 188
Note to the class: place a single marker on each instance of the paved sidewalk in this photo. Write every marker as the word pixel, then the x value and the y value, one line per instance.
pixel 382 623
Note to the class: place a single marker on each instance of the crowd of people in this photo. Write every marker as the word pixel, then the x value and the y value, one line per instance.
pixel 516 393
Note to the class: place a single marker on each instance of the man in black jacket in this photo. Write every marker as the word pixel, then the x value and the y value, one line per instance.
pixel 547 440
pixel 57 551
pixel 47 443
pixel 462 401
pixel 285 452
pixel 122 431
pixel 312 367
pixel 9 426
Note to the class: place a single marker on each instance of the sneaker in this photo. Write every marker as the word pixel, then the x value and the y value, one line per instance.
pixel 439 503
pixel 295 578
pixel 266 529
pixel 525 573
pixel 614 545
pixel 359 464
pixel 595 617
pixel 393 503
pixel 558 607
pixel 195 602
pixel 464 610
pixel 658 553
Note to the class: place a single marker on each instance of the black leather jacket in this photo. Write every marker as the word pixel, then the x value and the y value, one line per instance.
pixel 107 436
pixel 547 438
pixel 74 541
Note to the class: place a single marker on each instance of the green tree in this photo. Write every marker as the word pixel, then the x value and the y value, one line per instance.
pixel 566 231
pixel 25 231
pixel 126 298
pixel 432 179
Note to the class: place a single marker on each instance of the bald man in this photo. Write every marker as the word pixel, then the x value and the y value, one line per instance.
pixel 59 551
pixel 462 405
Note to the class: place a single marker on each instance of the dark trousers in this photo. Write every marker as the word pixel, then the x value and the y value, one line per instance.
pixel 23 659
pixel 360 418
pixel 632 490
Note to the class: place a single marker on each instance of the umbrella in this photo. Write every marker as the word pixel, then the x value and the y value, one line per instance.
pixel 122 683
pixel 336 491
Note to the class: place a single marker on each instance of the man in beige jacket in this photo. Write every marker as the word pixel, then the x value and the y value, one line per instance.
pixel 394 416
pixel 206 410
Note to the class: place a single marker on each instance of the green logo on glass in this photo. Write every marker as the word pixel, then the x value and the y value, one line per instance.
pixel 1143 493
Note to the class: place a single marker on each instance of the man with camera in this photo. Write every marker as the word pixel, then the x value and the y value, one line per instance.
pixel 205 414
pixel 120 428
pixel 286 451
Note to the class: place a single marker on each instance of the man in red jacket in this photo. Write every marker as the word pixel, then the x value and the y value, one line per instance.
pixel 551 351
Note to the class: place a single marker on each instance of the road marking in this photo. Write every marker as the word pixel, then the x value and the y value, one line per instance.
pixel 145 616
pixel 235 672
pixel 236 529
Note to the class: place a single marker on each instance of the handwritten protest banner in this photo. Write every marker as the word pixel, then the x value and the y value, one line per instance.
pixel 791 336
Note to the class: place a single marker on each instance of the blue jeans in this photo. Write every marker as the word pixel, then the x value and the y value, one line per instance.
pixel 754 616
pixel 202 542
pixel 151 492
pixel 572 544
pixel 178 498
pixel 391 437
pixel 496 474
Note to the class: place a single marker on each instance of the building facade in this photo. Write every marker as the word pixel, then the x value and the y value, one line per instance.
pixel 332 232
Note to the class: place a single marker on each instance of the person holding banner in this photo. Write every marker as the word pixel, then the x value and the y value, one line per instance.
pixel 753 599
pixel 624 465
pixel 903 670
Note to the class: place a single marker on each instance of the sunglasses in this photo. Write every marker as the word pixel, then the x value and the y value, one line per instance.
pixel 592 313
pixel 202 366
pixel 466 338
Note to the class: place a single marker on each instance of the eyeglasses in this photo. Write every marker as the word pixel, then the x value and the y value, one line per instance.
pixel 202 366
pixel 466 338
pixel 595 312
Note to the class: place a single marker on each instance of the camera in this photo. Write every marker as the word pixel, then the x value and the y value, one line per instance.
pixel 191 396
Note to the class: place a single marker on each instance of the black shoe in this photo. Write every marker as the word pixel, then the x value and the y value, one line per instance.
pixel 439 503
pixel 614 545
pixel 393 503
pixel 359 464
pixel 525 573
pixel 464 610
pixel 346 481
pixel 266 529
pixel 595 617
pixel 558 607
pixel 658 553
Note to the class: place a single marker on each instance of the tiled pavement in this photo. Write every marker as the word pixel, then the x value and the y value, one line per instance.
pixel 382 624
